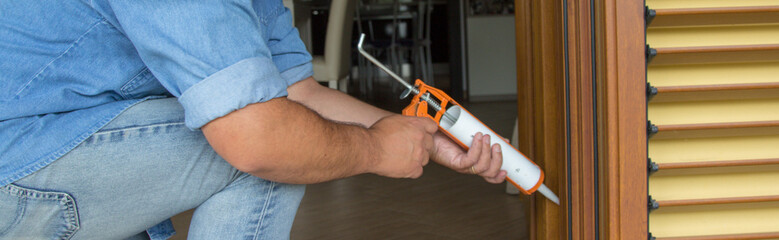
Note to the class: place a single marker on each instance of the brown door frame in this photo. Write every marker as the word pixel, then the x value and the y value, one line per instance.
pixel 583 201
pixel 593 152
pixel 541 108
pixel 621 67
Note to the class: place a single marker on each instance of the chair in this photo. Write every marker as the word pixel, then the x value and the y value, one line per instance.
pixel 423 59
pixel 333 67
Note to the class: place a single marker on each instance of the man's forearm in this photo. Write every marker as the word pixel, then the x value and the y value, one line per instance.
pixel 281 140
pixel 284 140
pixel 333 104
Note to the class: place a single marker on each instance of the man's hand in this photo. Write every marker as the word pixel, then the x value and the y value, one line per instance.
pixel 403 145
pixel 481 158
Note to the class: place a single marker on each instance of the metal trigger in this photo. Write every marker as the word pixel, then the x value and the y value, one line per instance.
pixel 405 93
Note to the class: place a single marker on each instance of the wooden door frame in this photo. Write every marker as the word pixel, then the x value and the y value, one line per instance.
pixel 584 125
pixel 541 108
pixel 621 75
pixel 583 217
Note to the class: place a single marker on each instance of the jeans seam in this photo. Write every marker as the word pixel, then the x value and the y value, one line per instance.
pixel 265 207
pixel 67 204
pixel 71 215
pixel 19 210
pixel 136 127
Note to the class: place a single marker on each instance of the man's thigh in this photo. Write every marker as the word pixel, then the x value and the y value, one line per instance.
pixel 139 170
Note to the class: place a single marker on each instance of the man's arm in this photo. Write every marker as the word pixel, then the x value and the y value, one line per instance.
pixel 335 105
pixel 282 140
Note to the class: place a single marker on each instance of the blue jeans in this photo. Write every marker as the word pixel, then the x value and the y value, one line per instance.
pixel 139 170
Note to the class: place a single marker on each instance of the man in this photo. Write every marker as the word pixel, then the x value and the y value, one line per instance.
pixel 100 99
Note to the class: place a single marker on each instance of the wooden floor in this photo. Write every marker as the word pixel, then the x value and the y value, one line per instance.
pixel 442 204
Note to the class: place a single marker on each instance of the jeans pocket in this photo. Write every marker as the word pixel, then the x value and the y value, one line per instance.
pixel 35 214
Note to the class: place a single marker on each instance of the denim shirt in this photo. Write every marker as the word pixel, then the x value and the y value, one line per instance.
pixel 67 68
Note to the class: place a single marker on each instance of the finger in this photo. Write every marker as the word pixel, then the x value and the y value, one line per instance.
pixel 496 161
pixel 497 179
pixel 473 154
pixel 417 173
pixel 483 160
pixel 429 148
pixel 428 141
pixel 422 155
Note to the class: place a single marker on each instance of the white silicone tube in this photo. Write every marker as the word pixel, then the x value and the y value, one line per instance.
pixel 520 170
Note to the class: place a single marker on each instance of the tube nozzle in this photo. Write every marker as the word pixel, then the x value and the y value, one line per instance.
pixel 548 194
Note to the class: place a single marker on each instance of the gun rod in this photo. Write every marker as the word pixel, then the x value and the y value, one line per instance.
pixel 435 105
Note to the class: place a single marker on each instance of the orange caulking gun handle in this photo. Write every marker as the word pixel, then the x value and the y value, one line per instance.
pixel 419 107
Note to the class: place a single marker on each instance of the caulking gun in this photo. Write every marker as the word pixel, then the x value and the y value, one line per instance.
pixel 460 125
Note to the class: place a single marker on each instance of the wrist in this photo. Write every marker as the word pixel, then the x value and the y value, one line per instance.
pixel 371 151
pixel 359 146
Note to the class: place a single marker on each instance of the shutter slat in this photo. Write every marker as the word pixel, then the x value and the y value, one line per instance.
pixel 725 163
pixel 716 92
pixel 721 221
pixel 716 54
pixel 718 87
pixel 715 16
pixel 677 4
pixel 745 236
pixel 726 129
pixel 710 201
pixel 693 150
pixel 720 111
pixel 712 74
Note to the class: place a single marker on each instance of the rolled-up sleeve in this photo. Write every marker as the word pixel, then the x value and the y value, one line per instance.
pixel 215 56
pixel 243 83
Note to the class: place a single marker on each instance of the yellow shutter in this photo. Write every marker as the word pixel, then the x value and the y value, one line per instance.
pixel 714 112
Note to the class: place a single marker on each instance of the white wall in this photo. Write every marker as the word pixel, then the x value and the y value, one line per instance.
pixel 492 65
